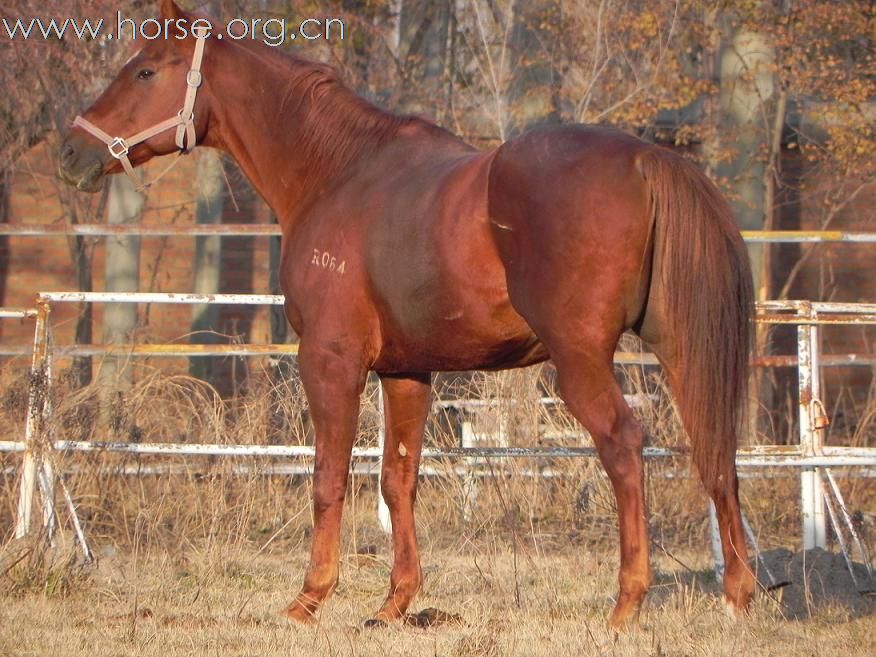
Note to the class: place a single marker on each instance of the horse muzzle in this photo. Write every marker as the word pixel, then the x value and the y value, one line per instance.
pixel 81 164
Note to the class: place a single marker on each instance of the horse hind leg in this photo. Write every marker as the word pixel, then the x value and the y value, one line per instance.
pixel 592 394
pixel 739 581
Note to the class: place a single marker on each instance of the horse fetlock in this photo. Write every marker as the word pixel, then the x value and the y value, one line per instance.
pixel 630 597
pixel 403 590
pixel 317 587
pixel 395 606
pixel 634 590
pixel 319 584
pixel 734 609
pixel 406 585
pixel 738 592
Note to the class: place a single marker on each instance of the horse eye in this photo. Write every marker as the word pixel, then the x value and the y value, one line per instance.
pixel 145 74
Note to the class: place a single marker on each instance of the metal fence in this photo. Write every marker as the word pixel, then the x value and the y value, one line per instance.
pixel 821 499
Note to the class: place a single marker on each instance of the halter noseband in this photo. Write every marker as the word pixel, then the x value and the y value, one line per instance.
pixel 184 122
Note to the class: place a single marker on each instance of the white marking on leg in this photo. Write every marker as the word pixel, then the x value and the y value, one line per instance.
pixel 730 609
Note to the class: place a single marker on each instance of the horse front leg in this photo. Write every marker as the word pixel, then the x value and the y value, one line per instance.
pixel 333 386
pixel 406 403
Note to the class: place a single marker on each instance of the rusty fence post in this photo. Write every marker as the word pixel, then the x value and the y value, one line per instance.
pixel 37 409
pixel 809 389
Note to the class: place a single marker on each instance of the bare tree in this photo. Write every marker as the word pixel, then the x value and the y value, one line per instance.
pixel 44 80
pixel 122 274
pixel 4 241
pixel 536 81
pixel 208 257
pixel 747 85
pixel 423 52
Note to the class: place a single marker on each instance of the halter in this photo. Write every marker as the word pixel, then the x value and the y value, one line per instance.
pixel 184 122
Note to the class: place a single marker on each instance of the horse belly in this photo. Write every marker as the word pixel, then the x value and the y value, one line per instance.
pixel 459 340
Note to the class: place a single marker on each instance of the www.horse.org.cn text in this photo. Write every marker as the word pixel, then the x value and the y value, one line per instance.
pixel 271 31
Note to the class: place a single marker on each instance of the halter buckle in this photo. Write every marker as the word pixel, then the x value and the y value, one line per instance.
pixel 118 148
pixel 185 120
pixel 194 78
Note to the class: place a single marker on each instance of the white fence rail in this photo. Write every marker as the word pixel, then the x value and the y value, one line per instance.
pixel 242 230
pixel 812 457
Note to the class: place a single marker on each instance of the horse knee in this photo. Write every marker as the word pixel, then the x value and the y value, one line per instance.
pixel 328 495
pixel 396 490
pixel 389 486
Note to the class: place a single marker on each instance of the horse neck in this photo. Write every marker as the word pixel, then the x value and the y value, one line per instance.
pixel 292 130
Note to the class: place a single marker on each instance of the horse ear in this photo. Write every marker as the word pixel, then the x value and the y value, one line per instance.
pixel 174 18
pixel 169 10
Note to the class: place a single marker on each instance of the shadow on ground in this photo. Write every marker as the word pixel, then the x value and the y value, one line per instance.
pixel 801 583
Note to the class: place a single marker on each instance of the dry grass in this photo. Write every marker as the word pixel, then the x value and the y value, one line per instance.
pixel 199 560
pixel 543 604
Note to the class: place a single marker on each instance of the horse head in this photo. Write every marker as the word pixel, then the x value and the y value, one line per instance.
pixel 154 106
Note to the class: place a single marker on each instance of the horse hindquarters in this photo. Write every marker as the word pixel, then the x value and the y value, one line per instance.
pixel 573 236
pixel 609 234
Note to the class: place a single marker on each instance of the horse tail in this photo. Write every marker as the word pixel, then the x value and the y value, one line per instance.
pixel 699 308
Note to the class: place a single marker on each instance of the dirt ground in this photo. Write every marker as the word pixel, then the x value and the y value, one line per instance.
pixel 496 600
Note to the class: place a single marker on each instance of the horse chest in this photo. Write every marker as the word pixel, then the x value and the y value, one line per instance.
pixel 317 279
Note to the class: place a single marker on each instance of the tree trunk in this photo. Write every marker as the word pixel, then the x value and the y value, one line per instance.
pixel 80 249
pixel 744 69
pixel 282 368
pixel 533 95
pixel 423 50
pixel 747 86
pixel 122 274
pixel 208 259
pixel 81 255
pixel 5 193
pixel 281 332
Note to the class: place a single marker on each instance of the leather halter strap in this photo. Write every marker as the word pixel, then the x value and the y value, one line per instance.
pixel 184 122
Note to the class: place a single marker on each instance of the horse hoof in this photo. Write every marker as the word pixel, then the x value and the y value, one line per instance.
pixel 298 613
pixel 734 610
pixel 622 620
pixel 375 624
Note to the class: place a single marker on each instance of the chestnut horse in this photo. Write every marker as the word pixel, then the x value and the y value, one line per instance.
pixel 406 251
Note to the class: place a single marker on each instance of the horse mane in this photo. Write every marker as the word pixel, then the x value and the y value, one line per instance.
pixel 337 126
pixel 333 125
